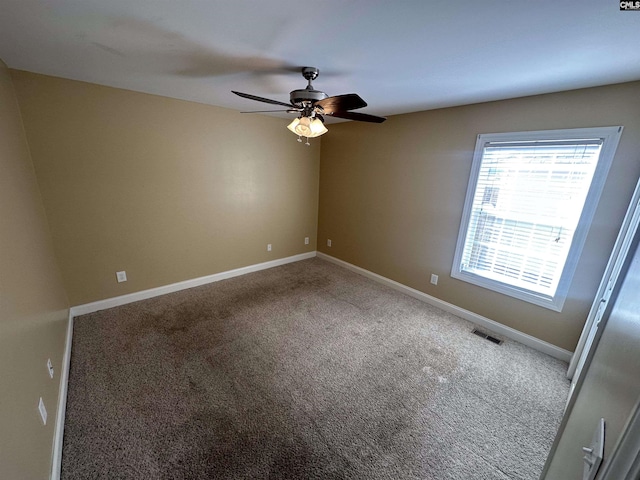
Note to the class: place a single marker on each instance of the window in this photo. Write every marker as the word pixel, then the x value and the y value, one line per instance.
pixel 529 205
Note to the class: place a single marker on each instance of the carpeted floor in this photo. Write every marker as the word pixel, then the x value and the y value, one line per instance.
pixel 305 371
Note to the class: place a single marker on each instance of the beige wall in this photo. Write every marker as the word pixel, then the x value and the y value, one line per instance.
pixel 164 189
pixel 33 306
pixel 170 190
pixel 391 197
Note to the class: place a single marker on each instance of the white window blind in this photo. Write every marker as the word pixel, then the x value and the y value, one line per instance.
pixel 528 201
pixel 524 210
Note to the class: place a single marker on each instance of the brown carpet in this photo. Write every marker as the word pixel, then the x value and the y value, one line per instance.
pixel 305 371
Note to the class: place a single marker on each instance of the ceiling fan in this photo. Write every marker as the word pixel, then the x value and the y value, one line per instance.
pixel 312 105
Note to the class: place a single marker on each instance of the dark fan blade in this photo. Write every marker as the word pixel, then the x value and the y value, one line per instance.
pixel 288 110
pixel 360 117
pixel 262 99
pixel 349 101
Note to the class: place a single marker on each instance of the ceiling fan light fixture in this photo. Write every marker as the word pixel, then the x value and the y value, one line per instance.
pixel 307 127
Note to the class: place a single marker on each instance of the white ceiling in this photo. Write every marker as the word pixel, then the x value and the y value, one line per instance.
pixel 399 55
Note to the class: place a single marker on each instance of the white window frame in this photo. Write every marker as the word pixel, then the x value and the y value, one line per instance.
pixel 610 137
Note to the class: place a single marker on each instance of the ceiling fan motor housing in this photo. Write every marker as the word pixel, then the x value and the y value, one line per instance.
pixel 298 97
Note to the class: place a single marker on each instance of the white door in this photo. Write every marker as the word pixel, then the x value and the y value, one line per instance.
pixel 611 276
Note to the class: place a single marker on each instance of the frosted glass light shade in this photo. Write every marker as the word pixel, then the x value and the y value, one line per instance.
pixel 307 127
pixel 317 128
pixel 292 126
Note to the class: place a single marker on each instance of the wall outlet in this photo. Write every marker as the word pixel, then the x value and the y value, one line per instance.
pixel 306 240
pixel 328 243
pixel 50 367
pixel 121 276
pixel 43 411
pixel 268 247
pixel 434 278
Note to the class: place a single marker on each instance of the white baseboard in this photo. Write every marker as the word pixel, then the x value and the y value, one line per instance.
pixel 56 463
pixel 176 287
pixel 492 325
